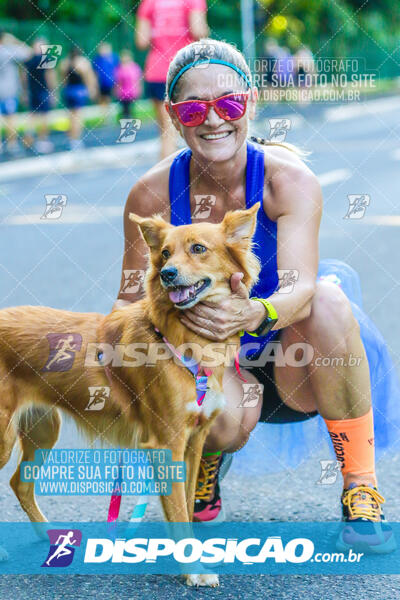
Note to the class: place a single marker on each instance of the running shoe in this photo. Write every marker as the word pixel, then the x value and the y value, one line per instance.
pixel 366 529
pixel 208 505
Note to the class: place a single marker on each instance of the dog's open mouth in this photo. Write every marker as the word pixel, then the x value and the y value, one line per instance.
pixel 183 295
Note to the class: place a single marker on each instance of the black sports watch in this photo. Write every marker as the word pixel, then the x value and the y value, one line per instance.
pixel 270 320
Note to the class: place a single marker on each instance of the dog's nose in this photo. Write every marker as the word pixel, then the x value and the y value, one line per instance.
pixel 168 274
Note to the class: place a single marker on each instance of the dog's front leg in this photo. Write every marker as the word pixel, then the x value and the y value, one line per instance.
pixel 192 457
pixel 175 508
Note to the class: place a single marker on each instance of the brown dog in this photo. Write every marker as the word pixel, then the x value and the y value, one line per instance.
pixel 153 406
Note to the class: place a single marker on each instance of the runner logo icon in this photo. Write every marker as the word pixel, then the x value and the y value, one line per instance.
pixel 50 55
pixel 98 397
pixel 129 129
pixel 133 280
pixel 62 351
pixel 62 547
pixel 55 204
pixel 357 206
pixel 252 394
pixel 204 204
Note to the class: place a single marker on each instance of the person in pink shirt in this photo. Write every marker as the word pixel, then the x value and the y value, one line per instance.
pixel 128 76
pixel 166 26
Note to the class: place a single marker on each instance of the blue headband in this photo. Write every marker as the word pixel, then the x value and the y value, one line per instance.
pixel 214 61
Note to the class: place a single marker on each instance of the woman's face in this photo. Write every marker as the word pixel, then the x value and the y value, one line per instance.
pixel 215 139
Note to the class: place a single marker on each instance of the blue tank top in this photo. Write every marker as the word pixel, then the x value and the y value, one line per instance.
pixel 265 237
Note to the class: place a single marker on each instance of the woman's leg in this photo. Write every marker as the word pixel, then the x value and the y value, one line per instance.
pixel 330 383
pixel 230 432
pixel 233 426
pixel 75 130
pixel 334 381
pixel 333 378
pixel 337 388
pixel 126 109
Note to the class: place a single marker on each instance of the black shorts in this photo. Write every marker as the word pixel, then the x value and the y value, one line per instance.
pixel 273 409
pixel 106 89
pixel 155 90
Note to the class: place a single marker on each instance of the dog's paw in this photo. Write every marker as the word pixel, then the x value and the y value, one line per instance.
pixel 3 554
pixel 204 579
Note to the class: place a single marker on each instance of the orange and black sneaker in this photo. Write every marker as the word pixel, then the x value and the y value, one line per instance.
pixel 208 504
pixel 366 529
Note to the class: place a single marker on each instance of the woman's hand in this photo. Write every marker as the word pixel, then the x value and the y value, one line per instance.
pixel 219 321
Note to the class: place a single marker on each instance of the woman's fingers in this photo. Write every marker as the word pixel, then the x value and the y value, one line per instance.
pixel 197 319
pixel 199 330
pixel 203 310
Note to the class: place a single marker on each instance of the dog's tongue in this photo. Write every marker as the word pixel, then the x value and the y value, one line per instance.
pixel 181 294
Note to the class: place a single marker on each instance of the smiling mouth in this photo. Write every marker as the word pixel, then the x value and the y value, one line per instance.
pixel 216 136
pixel 182 295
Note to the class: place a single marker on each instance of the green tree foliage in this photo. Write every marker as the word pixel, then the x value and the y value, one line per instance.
pixel 329 27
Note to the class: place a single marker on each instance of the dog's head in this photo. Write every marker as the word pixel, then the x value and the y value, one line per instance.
pixel 191 263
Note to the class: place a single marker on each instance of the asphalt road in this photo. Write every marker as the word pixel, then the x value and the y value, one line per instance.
pixel 75 263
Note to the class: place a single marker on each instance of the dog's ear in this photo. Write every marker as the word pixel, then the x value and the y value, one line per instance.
pixel 240 225
pixel 151 228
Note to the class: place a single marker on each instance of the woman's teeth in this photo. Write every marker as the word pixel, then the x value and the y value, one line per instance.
pixel 216 136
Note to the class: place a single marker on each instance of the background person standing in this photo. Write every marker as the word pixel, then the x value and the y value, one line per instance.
pixel 12 52
pixel 166 26
pixel 80 86
pixel 40 85
pixel 128 86
pixel 104 64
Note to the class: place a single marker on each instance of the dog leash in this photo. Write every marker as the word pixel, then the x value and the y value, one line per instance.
pixel 115 502
pixel 237 367
pixel 200 374
pixel 116 499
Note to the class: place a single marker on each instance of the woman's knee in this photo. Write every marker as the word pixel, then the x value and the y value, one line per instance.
pixel 225 433
pixel 232 427
pixel 331 323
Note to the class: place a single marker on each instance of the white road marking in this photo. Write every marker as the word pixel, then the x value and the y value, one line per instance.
pixel 395 154
pixel 104 157
pixel 76 213
pixel 334 176
pixel 72 213
pixel 362 109
pixel 389 220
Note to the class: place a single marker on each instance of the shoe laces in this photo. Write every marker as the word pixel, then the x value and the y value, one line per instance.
pixel 206 478
pixel 363 502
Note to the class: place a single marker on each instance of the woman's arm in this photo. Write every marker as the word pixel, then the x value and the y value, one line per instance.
pixel 298 195
pixel 198 24
pixel 85 69
pixel 143 34
pixel 146 198
pixel 295 203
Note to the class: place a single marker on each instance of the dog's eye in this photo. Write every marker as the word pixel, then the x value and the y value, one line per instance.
pixel 197 249
pixel 165 253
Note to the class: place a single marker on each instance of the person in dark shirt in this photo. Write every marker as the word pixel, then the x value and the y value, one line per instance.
pixel 80 86
pixel 104 65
